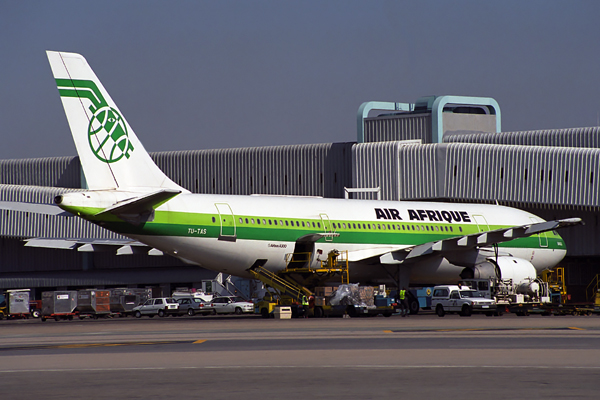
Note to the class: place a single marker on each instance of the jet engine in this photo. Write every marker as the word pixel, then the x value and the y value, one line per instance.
pixel 520 271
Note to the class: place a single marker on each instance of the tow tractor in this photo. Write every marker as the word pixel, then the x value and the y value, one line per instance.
pixel 300 279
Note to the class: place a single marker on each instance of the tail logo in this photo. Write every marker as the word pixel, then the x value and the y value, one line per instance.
pixel 107 130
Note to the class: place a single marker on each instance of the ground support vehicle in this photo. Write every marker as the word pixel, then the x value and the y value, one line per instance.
pixel 14 304
pixel 35 308
pixel 282 291
pixel 59 305
pixel 352 300
pixel 460 299
pixel 161 306
pixel 124 300
pixel 300 279
pixel 193 306
pixel 521 298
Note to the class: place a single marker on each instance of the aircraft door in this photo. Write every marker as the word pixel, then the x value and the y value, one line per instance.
pixel 326 226
pixel 542 236
pixel 227 221
pixel 482 224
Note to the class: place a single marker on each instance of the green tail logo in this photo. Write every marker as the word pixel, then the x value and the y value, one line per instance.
pixel 107 130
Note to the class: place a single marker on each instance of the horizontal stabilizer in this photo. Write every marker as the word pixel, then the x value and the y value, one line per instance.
pixel 47 209
pixel 136 209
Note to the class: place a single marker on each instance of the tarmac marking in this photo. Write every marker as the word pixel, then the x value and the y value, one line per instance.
pixel 92 345
pixel 484 329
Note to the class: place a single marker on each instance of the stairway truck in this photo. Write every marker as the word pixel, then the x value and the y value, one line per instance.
pixel 513 284
pixel 14 304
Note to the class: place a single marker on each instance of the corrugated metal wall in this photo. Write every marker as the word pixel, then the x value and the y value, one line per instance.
pixel 402 127
pixel 551 177
pixel 56 171
pixel 524 175
pixel 573 137
pixel 401 171
pixel 304 170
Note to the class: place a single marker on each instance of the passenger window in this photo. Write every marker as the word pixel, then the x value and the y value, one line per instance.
pixel 252 220
pixel 313 224
pixel 270 222
pixel 246 220
pixel 303 224
pixel 286 223
pixel 264 221
pixel 213 219
pixel 258 221
pixel 318 224
pixel 241 221
pixel 344 225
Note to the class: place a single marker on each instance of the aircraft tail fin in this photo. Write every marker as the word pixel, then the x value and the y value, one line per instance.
pixel 111 155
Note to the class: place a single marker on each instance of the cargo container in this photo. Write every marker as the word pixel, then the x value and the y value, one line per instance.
pixel 14 304
pixel 123 300
pixel 59 304
pixel 93 303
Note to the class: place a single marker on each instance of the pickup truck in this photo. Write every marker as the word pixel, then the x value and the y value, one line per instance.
pixel 460 299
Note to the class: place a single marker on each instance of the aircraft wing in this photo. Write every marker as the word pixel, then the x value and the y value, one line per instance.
pixel 475 240
pixel 120 246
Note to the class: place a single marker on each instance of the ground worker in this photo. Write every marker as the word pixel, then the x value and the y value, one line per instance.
pixel 305 306
pixel 403 302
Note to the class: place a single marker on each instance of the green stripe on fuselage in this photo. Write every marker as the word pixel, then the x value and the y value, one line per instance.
pixel 184 224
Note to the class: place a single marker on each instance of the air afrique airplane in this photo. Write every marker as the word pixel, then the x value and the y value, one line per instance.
pixel 403 242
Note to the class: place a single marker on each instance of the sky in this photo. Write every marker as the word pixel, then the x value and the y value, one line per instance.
pixel 191 75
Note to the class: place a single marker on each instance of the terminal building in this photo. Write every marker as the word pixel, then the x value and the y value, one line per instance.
pixel 444 148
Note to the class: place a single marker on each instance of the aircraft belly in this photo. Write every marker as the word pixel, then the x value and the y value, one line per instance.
pixel 230 257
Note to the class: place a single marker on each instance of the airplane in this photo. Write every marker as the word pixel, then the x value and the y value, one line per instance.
pixel 403 242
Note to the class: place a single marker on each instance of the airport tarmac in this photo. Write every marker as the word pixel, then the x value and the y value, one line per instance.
pixel 221 357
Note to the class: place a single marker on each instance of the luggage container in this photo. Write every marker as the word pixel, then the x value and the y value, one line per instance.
pixel 59 304
pixel 14 304
pixel 123 300
pixel 93 303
